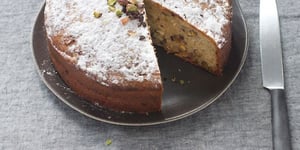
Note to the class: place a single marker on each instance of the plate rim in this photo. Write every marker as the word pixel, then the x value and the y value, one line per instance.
pixel 171 119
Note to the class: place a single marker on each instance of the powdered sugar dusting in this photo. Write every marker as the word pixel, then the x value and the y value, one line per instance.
pixel 104 46
pixel 208 15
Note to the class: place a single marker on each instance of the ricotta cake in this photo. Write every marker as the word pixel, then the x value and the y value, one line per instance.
pixel 103 49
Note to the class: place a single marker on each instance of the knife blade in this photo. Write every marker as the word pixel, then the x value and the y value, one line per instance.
pixel 272 72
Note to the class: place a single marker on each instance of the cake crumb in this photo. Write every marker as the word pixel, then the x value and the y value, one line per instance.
pixel 181 82
pixel 173 79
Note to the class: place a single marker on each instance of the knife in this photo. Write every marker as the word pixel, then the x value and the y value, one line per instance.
pixel 272 72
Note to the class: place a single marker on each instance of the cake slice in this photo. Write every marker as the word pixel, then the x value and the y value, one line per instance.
pixel 198 31
pixel 103 51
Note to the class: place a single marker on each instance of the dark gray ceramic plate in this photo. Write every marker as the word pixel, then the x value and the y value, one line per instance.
pixel 179 101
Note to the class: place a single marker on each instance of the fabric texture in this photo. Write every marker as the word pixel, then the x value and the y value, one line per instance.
pixel 31 117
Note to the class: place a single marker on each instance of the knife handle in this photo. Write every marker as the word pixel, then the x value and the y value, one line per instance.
pixel 280 121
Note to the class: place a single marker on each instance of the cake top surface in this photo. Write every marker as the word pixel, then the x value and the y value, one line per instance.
pixel 208 16
pixel 105 47
pixel 116 52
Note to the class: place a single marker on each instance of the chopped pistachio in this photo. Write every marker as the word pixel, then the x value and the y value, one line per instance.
pixel 119 13
pixel 97 14
pixel 112 8
pixel 111 2
pixel 131 8
pixel 108 142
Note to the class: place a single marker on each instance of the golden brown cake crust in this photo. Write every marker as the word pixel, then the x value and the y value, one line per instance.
pixel 141 97
pixel 103 60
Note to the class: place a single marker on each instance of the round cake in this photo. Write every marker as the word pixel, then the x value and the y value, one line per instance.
pixel 104 50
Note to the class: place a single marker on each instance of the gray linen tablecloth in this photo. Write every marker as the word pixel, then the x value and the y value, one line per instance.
pixel 31 117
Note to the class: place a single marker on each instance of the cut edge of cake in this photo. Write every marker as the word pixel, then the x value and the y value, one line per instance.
pixel 207 47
